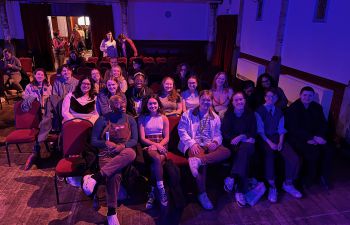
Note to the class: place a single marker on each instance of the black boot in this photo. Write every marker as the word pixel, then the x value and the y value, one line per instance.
pixel 33 158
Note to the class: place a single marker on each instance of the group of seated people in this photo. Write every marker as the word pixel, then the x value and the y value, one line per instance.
pixel 215 125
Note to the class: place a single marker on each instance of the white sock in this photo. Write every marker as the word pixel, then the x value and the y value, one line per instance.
pixel 160 184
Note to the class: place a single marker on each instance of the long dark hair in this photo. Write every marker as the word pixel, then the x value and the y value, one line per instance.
pixel 106 39
pixel 78 93
pixel 259 87
pixel 145 111
pixel 193 76
pixel 45 81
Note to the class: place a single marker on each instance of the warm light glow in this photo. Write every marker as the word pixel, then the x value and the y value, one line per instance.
pixel 84 20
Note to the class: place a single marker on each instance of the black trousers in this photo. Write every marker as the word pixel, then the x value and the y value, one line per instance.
pixel 314 157
pixel 241 155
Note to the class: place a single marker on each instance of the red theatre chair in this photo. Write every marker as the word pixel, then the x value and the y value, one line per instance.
pixel 178 158
pixel 27 65
pixel 27 127
pixel 76 137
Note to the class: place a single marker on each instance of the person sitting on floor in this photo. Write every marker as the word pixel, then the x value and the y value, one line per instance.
pixel 200 140
pixel 136 94
pixel 190 97
pixel 154 134
pixel 270 121
pixel 239 131
pixel 115 135
pixel 65 83
pixel 81 103
pixel 307 128
pixel 171 100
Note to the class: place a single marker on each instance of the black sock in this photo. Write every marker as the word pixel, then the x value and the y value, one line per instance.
pixel 98 177
pixel 111 211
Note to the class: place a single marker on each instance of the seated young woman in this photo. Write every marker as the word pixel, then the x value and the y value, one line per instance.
pixel 103 97
pixel 81 103
pixel 115 135
pixel 117 74
pixel 96 76
pixel 39 89
pixel 190 97
pixel 200 140
pixel 239 131
pixel 222 93
pixel 264 82
pixel 169 97
pixel 154 134
pixel 136 94
pixel 270 121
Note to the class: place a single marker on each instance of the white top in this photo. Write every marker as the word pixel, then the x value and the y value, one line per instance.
pixel 105 44
pixel 153 125
pixel 68 113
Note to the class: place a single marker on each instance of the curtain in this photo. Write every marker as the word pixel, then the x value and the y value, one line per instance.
pixel 226 29
pixel 37 33
pixel 101 21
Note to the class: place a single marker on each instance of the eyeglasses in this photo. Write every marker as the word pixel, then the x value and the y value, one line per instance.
pixel 86 83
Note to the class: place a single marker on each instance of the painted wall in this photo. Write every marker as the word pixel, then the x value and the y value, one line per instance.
pixel 229 7
pixel 258 37
pixel 168 20
pixel 322 49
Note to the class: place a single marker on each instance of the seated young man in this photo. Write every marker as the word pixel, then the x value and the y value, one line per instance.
pixel 307 127
pixel 115 135
pixel 200 139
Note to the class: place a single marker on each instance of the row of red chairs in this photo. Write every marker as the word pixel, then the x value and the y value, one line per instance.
pixel 75 135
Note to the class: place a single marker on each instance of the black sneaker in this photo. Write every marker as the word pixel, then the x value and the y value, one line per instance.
pixel 163 197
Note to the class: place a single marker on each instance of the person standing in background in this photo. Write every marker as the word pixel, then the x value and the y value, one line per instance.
pixel 125 45
pixel 108 45
pixel 59 44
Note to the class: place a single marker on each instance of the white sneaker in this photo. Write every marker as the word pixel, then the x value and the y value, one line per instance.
pixel 113 220
pixel 151 199
pixel 272 197
pixel 205 201
pixel 240 199
pixel 88 184
pixel 228 184
pixel 194 164
pixel 290 189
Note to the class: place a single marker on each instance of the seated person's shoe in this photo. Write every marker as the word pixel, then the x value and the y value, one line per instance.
pixel 228 184
pixel 205 201
pixel 113 220
pixel 163 197
pixel 290 189
pixel 240 199
pixel 151 199
pixel 272 196
pixel 88 184
pixel 30 161
pixel 194 164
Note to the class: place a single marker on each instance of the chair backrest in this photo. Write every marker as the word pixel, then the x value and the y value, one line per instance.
pixel 27 120
pixel 93 59
pixel 148 60
pixel 27 64
pixel 122 60
pixel 84 71
pixel 75 135
pixel 174 140
pixel 105 64
pixel 161 60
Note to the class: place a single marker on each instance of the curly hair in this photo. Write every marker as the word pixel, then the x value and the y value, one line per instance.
pixel 78 92
pixel 145 111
